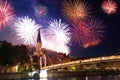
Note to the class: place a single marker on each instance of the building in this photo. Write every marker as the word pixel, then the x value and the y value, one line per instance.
pixel 39 57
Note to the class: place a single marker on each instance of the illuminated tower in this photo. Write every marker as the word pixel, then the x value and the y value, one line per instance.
pixel 39 51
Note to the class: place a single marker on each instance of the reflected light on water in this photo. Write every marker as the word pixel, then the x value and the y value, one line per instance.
pixel 39 79
pixel 43 74
pixel 86 78
pixel 43 79
pixel 92 77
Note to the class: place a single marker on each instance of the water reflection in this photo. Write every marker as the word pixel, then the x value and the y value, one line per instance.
pixel 98 77
pixel 39 79
pixel 43 74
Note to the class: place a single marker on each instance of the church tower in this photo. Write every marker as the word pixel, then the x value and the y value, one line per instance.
pixel 39 51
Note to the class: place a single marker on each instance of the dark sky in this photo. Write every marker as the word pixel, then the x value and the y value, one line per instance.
pixel 109 44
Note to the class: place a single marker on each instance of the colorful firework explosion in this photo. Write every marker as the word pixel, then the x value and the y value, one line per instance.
pixel 41 10
pixel 58 36
pixel 6 13
pixel 75 10
pixel 88 33
pixel 80 33
pixel 109 6
pixel 26 29
pixel 96 27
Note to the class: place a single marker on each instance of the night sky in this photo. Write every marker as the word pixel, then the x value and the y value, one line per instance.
pixel 110 43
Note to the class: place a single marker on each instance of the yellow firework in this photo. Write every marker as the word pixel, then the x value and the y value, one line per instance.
pixel 75 9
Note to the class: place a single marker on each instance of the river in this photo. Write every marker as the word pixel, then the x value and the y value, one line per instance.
pixel 97 77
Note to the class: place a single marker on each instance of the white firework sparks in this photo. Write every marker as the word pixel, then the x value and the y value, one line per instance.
pixel 57 36
pixel 26 30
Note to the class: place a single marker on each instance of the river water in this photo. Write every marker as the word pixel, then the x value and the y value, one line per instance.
pixel 98 77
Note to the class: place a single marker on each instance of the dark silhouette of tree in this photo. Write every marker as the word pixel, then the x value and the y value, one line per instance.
pixel 12 54
pixel 5 53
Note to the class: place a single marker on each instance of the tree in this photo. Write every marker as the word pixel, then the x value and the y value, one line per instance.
pixel 11 55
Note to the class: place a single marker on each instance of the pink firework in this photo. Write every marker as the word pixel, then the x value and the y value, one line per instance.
pixel 97 31
pixel 109 6
pixel 41 10
pixel 80 33
pixel 88 33
pixel 6 13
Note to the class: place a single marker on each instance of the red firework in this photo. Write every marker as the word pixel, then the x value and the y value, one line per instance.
pixel 88 33
pixel 80 33
pixel 97 31
pixel 6 13
pixel 42 11
pixel 109 6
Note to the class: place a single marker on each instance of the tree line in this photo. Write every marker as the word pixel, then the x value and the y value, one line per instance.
pixel 11 55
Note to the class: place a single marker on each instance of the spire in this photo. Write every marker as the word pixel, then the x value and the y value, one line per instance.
pixel 39 36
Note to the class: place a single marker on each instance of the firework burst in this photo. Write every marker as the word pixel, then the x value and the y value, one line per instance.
pixel 6 13
pixel 96 28
pixel 75 10
pixel 26 29
pixel 97 31
pixel 58 36
pixel 80 33
pixel 41 10
pixel 109 6
pixel 88 33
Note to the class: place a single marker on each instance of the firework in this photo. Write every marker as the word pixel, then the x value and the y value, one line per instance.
pixel 75 10
pixel 6 13
pixel 109 6
pixel 97 31
pixel 41 10
pixel 26 30
pixel 80 33
pixel 57 36
pixel 88 33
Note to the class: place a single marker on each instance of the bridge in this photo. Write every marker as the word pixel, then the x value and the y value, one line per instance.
pixel 105 63
pixel 108 62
